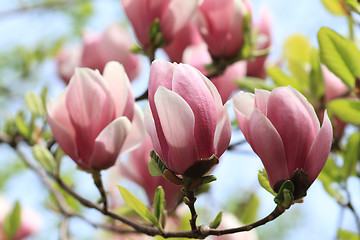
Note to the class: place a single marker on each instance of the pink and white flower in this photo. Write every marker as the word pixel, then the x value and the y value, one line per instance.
pixel 186 120
pixel 283 130
pixel 95 119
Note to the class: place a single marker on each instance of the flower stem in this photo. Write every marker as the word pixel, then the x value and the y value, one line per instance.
pixel 96 174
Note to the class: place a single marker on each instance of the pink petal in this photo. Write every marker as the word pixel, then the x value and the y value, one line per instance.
pixel 319 150
pixel 120 89
pixel 243 104
pixel 294 121
pixel 176 16
pixel 90 107
pixel 116 43
pixel 109 143
pixel 189 84
pixel 161 74
pixel 61 127
pixel 267 144
pixel 177 121
pixel 138 14
pixel 226 83
pixel 222 133
pixel 150 128
pixel 197 56
pixel 261 99
pixel 136 133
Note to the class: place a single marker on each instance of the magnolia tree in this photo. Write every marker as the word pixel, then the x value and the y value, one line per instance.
pixel 300 116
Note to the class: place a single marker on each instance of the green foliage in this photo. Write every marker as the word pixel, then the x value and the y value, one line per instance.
pixel 340 55
pixel 21 125
pixel 216 222
pixel 44 157
pixel 347 110
pixel 138 206
pixel 247 211
pixel 285 196
pixel 316 81
pixel 334 6
pixel 12 221
pixel 354 5
pixel 251 83
pixel 35 104
pixel 347 235
pixel 351 156
pixel 264 181
pixel 156 164
pixel 282 79
pixel 159 203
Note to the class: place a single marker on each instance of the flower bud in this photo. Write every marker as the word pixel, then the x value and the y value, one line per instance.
pixel 95 119
pixel 221 25
pixel 173 15
pixel 187 121
pixel 283 130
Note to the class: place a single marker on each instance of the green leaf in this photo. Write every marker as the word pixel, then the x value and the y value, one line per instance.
pixel 281 79
pixel 351 156
pixel 316 79
pixel 35 104
pixel 251 83
pixel 207 179
pixel 44 157
pixel 214 224
pixel 264 181
pixel 12 221
pixel 154 168
pixel 21 125
pixel 355 5
pixel 297 47
pixel 334 6
pixel 156 164
pixel 159 203
pixel 138 206
pixel 347 110
pixel 247 211
pixel 347 235
pixel 340 55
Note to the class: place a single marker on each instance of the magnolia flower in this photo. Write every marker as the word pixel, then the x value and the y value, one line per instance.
pixel 256 68
pixel 173 15
pixel 221 25
pixel 30 221
pixel 334 87
pixel 113 44
pixel 283 130
pixel 186 120
pixel 198 56
pixel 95 119
pixel 188 36
pixel 136 169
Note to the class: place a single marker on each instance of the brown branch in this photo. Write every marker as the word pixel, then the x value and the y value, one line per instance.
pixel 199 233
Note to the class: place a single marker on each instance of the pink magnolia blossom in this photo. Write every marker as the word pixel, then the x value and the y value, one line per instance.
pixel 334 87
pixel 113 44
pixel 186 120
pixel 95 119
pixel 256 68
pixel 221 25
pixel 198 56
pixel 283 130
pixel 188 36
pixel 30 221
pixel 173 15
pixel 136 169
